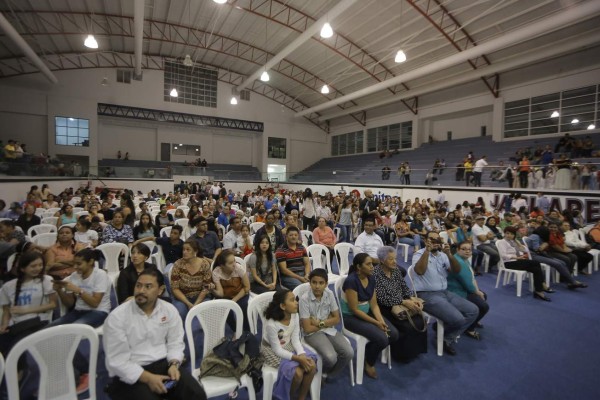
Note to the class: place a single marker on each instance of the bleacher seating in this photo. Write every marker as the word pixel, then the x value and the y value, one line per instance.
pixel 366 168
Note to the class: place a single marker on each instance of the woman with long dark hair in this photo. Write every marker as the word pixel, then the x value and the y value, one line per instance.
pixel 361 312
pixel 140 253
pixel 145 229
pixel 66 216
pixel 263 267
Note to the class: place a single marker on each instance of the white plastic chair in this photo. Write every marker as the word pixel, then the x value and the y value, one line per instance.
pixel 53 350
pixel 72 225
pixel 45 239
pixel 255 226
pixel 256 311
pixel 429 317
pixel 49 220
pixel 338 233
pixel 50 212
pixel 40 212
pixel 405 247
pixel 361 341
pixel 185 209
pixel 594 252
pixel 81 214
pixel 518 275
pixel 222 229
pixel 307 237
pixel 298 292
pixel 166 231
pixel 315 254
pixel 111 252
pixel 183 222
pixel 342 252
pixel 41 228
pixel 212 316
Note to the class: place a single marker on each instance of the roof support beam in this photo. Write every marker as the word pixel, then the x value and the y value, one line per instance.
pixel 568 17
pixel 306 35
pixel 138 38
pixel 492 71
pixel 26 49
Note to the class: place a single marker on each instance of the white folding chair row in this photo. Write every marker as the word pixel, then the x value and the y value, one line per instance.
pixel 256 312
pixel 429 318
pixel 77 209
pixel 212 316
pixel 81 213
pixel 41 228
pixel 51 212
pixel 112 253
pixel 71 225
pixel 40 212
pixel 361 341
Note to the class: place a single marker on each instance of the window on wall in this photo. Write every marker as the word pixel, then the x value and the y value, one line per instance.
pixel 568 111
pixel 196 86
pixel 276 147
pixel 348 143
pixel 390 137
pixel 72 131
pixel 180 149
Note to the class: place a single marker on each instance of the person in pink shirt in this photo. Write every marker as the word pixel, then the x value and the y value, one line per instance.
pixel 324 235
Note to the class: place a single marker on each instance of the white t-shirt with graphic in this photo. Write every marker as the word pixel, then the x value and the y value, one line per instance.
pixel 97 282
pixel 33 293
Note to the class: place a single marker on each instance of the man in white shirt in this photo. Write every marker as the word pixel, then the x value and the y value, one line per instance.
pixel 483 240
pixel 368 241
pixel 143 343
pixel 231 238
pixel 478 170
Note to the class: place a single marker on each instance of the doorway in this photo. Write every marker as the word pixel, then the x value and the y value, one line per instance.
pixel 276 172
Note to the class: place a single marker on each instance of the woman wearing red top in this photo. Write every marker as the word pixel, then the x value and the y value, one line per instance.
pixel 557 243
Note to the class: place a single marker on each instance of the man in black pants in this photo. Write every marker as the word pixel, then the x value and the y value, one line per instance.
pixel 143 342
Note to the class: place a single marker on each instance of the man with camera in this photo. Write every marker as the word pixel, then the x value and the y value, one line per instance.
pixel 431 265
pixel 143 342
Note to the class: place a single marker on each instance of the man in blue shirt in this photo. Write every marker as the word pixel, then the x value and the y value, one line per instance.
pixel 207 240
pixel 431 265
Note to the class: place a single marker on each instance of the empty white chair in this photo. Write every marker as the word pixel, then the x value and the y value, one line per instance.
pixel 45 239
pixel 49 220
pixel 212 316
pixel 307 238
pixel 255 226
pixel 361 341
pixel 112 252
pixel 342 252
pixel 256 311
pixel 53 349
pixel 318 260
pixel 41 228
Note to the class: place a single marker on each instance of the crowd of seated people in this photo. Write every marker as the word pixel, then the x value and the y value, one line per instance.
pixel 450 246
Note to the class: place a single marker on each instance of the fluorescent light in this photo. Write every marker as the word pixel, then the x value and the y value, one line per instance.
pixel 91 42
pixel 325 89
pixel 180 144
pixel 555 114
pixel 175 147
pixel 220 1
pixel 174 93
pixel 591 126
pixel 233 100
pixel 326 31
pixel 264 76
pixel 575 121
pixel 187 61
pixel 400 57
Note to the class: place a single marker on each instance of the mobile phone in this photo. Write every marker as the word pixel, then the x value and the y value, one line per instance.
pixel 170 384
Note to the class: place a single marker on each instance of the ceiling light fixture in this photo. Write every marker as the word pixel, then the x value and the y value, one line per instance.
pixel 174 93
pixel 233 101
pixel 90 42
pixel 220 1
pixel 264 76
pixel 575 121
pixel 400 57
pixel 187 61
pixel 591 126
pixel 325 89
pixel 555 114
pixel 326 31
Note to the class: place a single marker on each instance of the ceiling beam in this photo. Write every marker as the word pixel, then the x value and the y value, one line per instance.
pixel 26 49
pixel 575 14
pixel 555 50
pixel 296 43
pixel 138 37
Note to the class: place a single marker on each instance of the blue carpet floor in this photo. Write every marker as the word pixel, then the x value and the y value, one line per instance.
pixel 530 349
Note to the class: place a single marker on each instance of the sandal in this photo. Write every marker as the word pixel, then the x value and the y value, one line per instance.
pixel 473 335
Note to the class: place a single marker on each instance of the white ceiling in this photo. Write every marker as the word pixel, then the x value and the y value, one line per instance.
pixel 240 36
